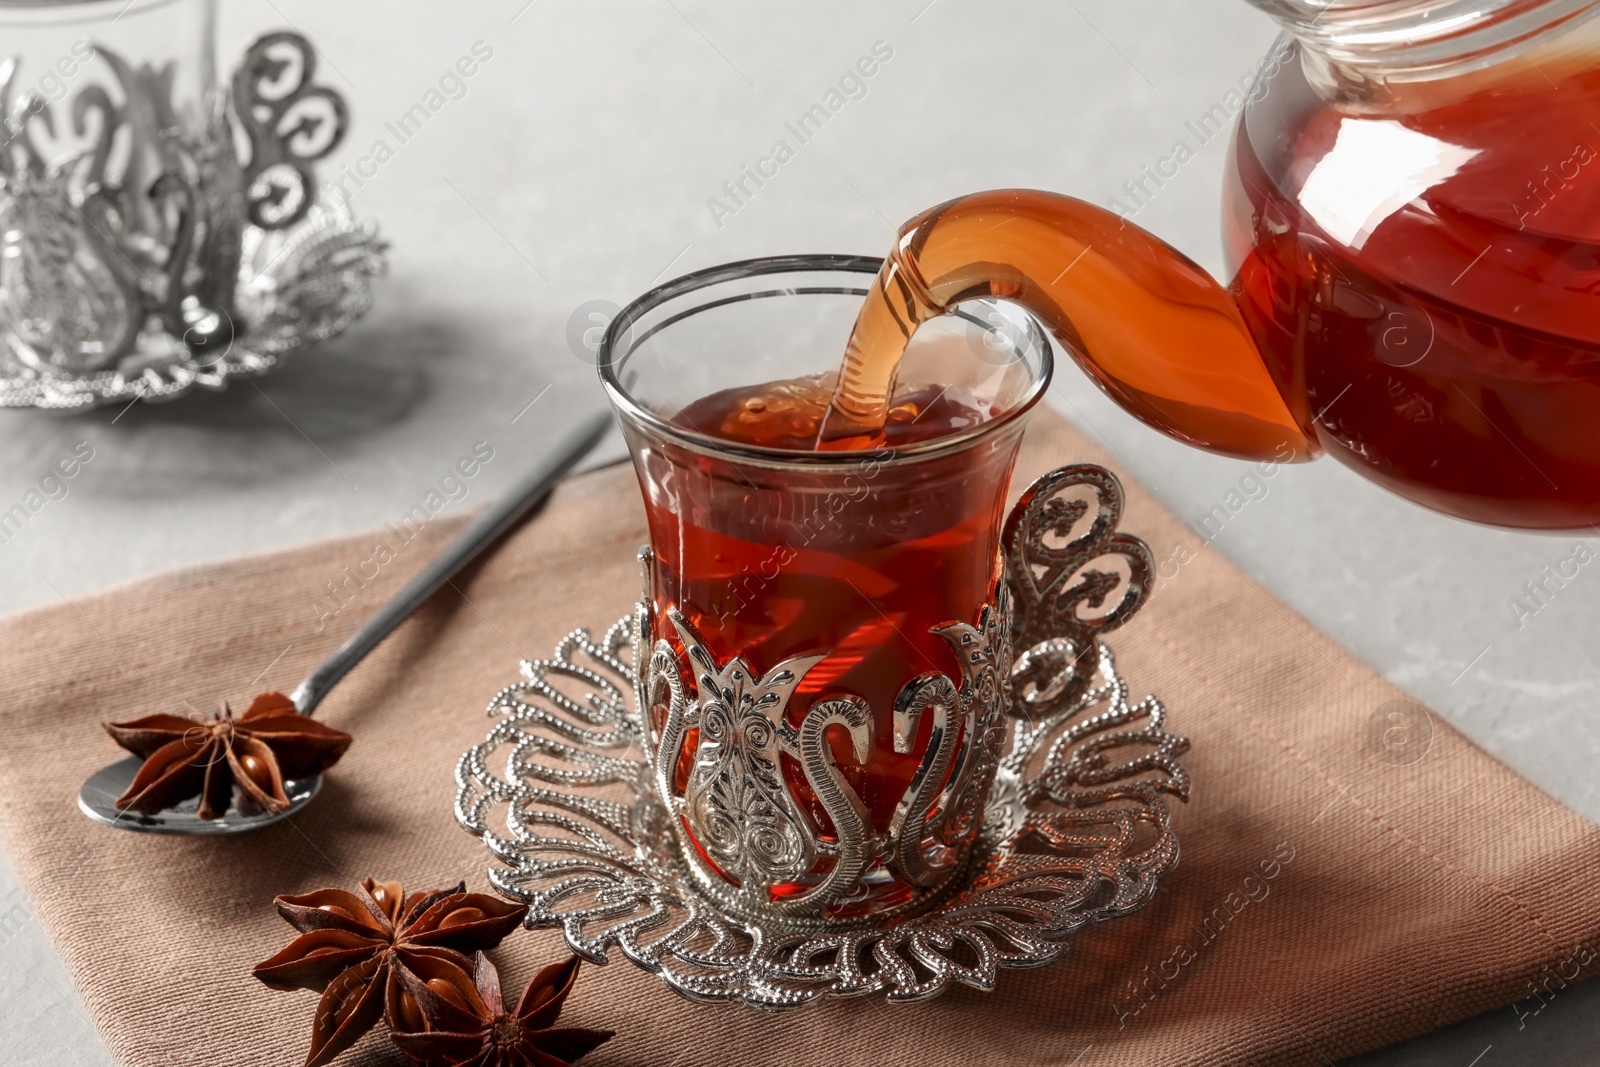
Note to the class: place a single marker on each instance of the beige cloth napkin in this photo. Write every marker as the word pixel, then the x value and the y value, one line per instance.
pixel 1334 894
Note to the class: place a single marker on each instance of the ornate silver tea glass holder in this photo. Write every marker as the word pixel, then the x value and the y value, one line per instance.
pixel 161 257
pixel 729 888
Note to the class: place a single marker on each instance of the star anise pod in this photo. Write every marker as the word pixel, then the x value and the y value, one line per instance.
pixel 208 757
pixel 438 1015
pixel 354 948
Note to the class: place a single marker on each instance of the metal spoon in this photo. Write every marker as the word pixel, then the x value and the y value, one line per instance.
pixel 97 798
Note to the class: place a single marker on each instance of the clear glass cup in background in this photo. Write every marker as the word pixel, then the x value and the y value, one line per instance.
pixel 864 556
pixel 109 112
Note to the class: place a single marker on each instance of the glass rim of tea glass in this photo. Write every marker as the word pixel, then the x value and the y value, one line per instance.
pixel 619 331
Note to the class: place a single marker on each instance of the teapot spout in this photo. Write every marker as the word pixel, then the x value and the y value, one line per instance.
pixel 1154 330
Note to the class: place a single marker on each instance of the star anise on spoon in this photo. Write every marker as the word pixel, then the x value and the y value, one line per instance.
pixel 354 949
pixel 207 757
pixel 439 1015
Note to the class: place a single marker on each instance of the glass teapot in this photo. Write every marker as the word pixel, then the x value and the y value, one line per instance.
pixel 1412 217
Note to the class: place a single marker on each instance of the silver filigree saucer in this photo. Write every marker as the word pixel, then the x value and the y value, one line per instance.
pixel 297 287
pixel 1075 829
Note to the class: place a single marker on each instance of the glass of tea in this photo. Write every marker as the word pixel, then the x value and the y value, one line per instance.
pixel 827 621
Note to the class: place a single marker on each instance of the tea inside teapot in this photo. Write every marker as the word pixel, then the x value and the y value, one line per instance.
pixel 1280 365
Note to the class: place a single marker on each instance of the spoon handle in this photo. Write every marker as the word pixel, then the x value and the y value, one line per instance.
pixel 487 528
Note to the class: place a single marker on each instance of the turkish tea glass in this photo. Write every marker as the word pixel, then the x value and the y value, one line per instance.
pixel 107 119
pixel 871 576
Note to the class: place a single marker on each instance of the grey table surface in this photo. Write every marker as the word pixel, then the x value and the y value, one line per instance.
pixel 579 163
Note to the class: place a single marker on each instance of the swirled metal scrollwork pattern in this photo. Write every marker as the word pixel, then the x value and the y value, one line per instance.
pixel 137 253
pixel 736 799
pixel 291 123
pixel 1071 826
pixel 748 839
pixel 938 818
pixel 1048 569
pixel 296 287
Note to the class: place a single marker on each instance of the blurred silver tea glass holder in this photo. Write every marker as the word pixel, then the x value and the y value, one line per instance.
pixel 157 232
pixel 644 795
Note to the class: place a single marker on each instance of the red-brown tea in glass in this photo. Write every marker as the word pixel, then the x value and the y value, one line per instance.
pixel 772 548
pixel 780 563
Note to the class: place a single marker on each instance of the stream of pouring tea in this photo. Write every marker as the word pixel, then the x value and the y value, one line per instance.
pixel 858 410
